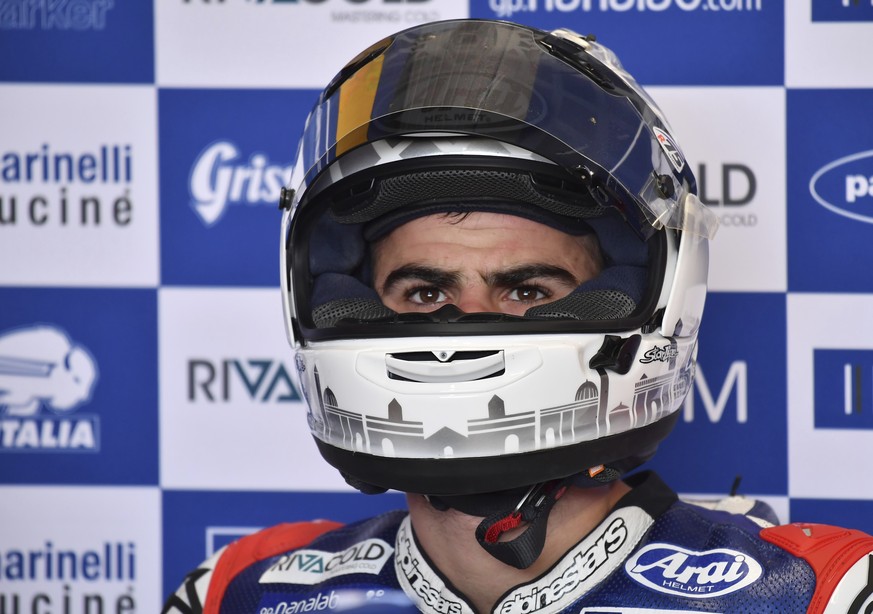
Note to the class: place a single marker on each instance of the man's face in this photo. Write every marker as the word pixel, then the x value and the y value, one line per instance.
pixel 481 262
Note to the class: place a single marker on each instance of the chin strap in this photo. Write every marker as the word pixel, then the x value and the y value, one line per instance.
pixel 533 511
pixel 528 508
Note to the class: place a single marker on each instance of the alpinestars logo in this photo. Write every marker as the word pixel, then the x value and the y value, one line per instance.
pixel 574 571
pixel 676 571
pixel 41 368
pixel 419 580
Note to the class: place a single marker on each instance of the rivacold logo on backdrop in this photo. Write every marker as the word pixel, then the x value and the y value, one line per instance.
pixel 44 377
pixel 732 186
pixel 74 186
pixel 507 8
pixel 845 186
pixel 843 388
pixel 220 177
pixel 365 11
pixel 257 379
pixel 76 15
pixel 670 569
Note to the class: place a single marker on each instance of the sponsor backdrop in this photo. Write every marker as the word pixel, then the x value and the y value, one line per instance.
pixel 147 409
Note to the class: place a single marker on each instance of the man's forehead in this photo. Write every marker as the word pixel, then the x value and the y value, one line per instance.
pixel 472 222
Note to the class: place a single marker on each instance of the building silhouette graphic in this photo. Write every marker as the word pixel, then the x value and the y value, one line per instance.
pixel 590 415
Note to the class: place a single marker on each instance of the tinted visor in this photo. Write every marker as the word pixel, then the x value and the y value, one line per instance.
pixel 531 89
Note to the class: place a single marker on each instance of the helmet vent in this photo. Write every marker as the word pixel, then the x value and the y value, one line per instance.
pixel 464 185
pixel 435 368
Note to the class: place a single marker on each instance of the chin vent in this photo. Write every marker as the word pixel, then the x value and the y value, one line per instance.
pixel 445 366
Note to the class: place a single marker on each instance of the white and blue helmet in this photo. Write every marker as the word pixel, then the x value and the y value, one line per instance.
pixel 473 115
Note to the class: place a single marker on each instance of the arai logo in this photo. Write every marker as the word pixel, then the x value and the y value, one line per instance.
pixel 670 569
pixel 845 186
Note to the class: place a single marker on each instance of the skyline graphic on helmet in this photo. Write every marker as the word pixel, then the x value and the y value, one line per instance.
pixel 592 413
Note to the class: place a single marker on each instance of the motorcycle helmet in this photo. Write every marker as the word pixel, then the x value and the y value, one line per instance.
pixel 478 115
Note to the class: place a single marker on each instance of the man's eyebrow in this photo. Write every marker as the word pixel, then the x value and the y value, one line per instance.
pixel 430 275
pixel 519 275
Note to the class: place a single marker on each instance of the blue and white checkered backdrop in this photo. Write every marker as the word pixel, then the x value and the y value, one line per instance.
pixel 147 415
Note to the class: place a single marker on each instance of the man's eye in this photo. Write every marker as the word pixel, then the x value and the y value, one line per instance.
pixel 426 296
pixel 528 294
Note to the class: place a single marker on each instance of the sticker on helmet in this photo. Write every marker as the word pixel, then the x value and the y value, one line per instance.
pixel 670 148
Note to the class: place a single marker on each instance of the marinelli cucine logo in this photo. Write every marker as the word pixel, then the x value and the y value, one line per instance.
pixel 99 577
pixel 45 377
pixel 44 187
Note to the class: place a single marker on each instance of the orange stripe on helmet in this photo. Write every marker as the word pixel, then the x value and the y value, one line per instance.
pixel 356 98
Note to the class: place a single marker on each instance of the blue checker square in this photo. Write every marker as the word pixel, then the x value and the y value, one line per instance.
pixel 737 422
pixel 684 41
pixel 852 514
pixel 843 389
pixel 88 41
pixel 224 157
pixel 78 386
pixel 197 523
pixel 830 190
pixel 841 10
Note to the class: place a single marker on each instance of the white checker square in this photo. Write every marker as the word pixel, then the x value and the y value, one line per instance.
pixel 231 414
pixel 825 463
pixel 277 44
pixel 822 54
pixel 734 139
pixel 78 196
pixel 93 548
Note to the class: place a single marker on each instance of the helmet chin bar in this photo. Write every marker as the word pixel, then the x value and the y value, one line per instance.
pixel 465 476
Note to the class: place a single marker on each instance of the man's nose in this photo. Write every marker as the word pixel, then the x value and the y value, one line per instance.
pixel 475 300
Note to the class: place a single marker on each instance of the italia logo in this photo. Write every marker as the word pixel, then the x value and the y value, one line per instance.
pixel 670 569
pixel 44 378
